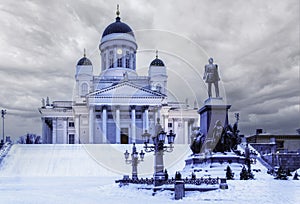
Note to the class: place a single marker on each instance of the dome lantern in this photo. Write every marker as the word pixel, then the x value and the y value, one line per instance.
pixel 84 61
pixel 117 26
pixel 157 62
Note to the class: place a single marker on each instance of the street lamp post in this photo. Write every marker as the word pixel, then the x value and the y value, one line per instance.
pixel 3 113
pixel 134 160
pixel 159 148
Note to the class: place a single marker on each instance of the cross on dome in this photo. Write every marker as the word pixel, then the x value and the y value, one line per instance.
pixel 118 11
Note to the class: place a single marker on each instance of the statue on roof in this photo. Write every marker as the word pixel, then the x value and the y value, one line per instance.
pixel 211 76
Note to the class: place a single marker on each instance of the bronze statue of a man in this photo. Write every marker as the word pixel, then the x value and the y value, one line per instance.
pixel 211 75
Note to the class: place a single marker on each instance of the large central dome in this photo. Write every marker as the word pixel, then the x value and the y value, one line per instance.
pixel 117 27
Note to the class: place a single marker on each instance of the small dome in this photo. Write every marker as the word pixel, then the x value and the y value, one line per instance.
pixel 84 61
pixel 118 27
pixel 157 62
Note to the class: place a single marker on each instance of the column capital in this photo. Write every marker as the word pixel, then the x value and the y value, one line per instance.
pixel 145 108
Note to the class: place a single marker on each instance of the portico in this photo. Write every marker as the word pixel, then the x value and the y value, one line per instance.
pixel 131 111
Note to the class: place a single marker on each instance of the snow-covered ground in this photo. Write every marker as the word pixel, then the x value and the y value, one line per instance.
pixel 76 174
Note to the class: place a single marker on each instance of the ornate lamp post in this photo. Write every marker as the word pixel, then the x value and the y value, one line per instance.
pixel 3 113
pixel 159 148
pixel 134 160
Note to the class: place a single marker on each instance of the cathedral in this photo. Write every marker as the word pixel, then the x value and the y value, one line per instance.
pixel 117 106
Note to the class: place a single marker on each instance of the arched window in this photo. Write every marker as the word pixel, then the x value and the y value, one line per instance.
pixel 158 88
pixel 84 89
pixel 127 59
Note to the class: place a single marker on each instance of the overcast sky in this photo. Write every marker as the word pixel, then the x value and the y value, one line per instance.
pixel 255 43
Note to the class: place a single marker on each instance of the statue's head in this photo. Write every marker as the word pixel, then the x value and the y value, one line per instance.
pixel 210 60
pixel 218 123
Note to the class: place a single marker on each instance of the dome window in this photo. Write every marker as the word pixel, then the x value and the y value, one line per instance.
pixel 84 89
pixel 119 62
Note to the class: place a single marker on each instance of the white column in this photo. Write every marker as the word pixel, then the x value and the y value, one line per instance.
pixel 106 60
pixel 115 57
pixel 44 131
pixel 131 61
pixel 133 128
pixel 155 116
pixel 118 134
pixel 77 129
pixel 186 131
pixel 147 120
pixel 124 57
pixel 158 113
pixel 54 130
pixel 190 131
pixel 166 121
pixel 65 134
pixel 91 124
pixel 104 125
pixel 176 130
pixel 144 122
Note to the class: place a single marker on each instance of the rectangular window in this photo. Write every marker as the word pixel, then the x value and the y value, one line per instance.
pixel 111 63
pixel 71 124
pixel 71 139
pixel 170 125
pixel 127 59
pixel 119 62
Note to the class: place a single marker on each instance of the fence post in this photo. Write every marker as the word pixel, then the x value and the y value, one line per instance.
pixel 179 189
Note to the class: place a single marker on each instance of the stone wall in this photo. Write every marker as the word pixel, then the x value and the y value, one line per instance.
pixel 289 161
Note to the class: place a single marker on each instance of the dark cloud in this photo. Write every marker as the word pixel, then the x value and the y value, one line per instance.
pixel 255 43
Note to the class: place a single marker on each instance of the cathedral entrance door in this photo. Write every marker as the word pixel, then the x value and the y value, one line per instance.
pixel 124 135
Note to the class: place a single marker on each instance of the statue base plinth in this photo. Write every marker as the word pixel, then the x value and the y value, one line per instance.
pixel 214 101
pixel 198 160
pixel 213 109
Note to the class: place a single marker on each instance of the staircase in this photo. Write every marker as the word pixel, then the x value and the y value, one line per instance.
pixel 4 150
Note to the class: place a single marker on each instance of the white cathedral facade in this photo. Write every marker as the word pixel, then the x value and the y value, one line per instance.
pixel 118 105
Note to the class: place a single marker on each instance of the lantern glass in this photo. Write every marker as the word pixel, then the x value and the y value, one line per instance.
pixel 142 155
pixel 162 136
pixel 171 137
pixel 135 155
pixel 146 136
pixel 126 154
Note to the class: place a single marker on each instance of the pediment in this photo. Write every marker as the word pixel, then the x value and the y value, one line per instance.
pixel 125 90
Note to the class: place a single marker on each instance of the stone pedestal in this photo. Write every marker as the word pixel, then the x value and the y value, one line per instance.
pixel 216 158
pixel 214 109
pixel 179 190
pixel 159 178
pixel 223 184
